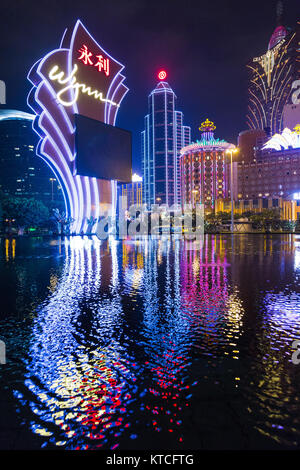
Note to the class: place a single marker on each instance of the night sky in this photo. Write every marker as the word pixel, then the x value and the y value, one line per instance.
pixel 203 46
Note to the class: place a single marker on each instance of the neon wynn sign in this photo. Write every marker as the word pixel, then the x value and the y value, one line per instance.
pixel 71 84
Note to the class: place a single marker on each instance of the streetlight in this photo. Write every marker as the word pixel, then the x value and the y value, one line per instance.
pixel 195 192
pixel 52 181
pixel 230 151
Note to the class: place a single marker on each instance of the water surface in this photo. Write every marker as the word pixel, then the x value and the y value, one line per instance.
pixel 150 345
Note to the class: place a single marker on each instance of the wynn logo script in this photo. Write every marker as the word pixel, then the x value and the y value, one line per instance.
pixel 72 84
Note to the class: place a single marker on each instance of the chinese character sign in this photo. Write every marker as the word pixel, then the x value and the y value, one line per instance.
pixel 87 58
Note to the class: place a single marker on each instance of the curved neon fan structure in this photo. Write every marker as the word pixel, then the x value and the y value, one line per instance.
pixel 79 77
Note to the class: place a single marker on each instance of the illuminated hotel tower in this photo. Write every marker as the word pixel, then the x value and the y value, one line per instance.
pixel 274 79
pixel 162 139
pixel 204 169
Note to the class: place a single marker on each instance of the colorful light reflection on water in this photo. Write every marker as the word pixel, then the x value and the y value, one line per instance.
pixel 144 344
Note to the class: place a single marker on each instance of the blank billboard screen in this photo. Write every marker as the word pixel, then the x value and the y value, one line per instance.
pixel 102 150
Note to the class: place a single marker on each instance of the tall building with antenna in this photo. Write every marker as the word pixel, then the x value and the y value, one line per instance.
pixel 163 137
pixel 274 78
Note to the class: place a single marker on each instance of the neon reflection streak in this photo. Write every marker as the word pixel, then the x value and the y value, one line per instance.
pixel 280 327
pixel 297 255
pixel 167 331
pixel 212 308
pixel 93 379
pixel 81 385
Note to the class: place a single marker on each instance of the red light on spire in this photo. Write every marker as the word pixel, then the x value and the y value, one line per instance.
pixel 162 75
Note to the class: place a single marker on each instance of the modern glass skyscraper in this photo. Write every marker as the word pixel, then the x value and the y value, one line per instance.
pixel 22 173
pixel 162 139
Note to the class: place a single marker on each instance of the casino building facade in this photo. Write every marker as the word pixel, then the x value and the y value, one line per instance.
pixel 205 170
pixel 163 137
pixel 79 81
pixel 274 80
pixel 275 170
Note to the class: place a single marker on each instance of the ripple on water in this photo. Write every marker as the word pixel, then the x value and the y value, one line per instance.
pixel 149 345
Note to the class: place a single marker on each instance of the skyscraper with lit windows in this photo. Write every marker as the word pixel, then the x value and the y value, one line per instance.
pixel 163 137
pixel 22 173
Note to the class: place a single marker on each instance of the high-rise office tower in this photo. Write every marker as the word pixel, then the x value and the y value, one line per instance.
pixel 132 191
pixel 22 173
pixel 274 79
pixel 162 139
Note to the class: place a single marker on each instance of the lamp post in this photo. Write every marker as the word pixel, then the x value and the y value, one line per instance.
pixel 52 181
pixel 230 152
pixel 195 192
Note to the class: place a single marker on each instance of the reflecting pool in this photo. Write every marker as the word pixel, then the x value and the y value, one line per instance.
pixel 150 345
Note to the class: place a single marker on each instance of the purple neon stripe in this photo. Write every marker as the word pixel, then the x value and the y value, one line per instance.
pixel 121 99
pixel 118 78
pixel 112 99
pixel 67 151
pixel 96 198
pixel 71 186
pixel 81 203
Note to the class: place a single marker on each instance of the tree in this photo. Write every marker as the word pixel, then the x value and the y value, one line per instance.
pixel 24 212
pixel 297 226
pixel 289 225
pixel 213 222
pixel 266 220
